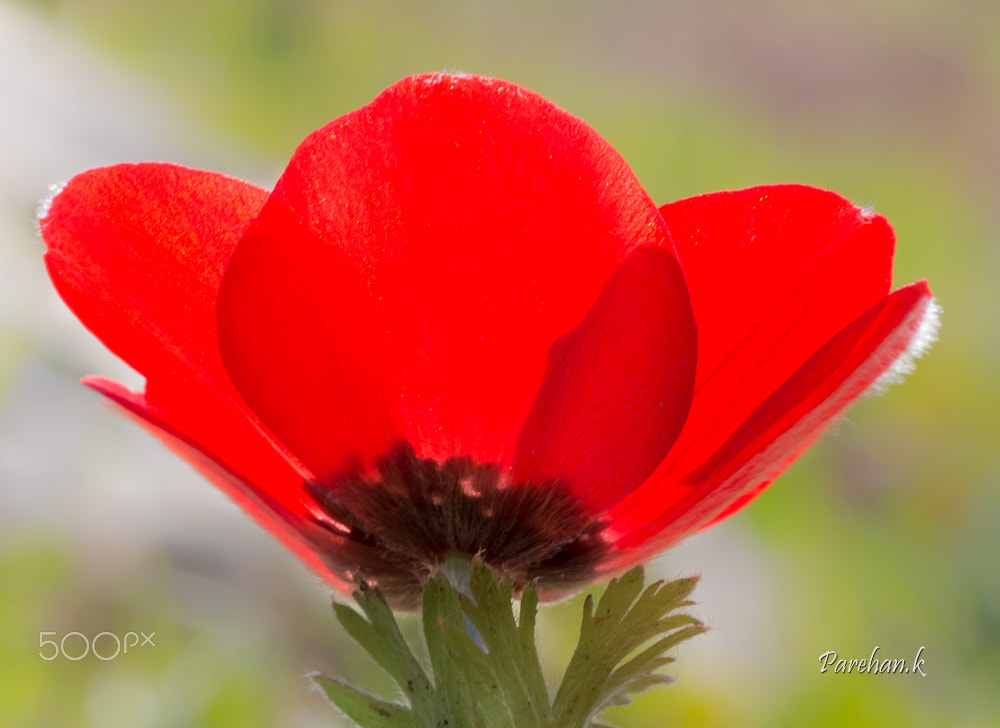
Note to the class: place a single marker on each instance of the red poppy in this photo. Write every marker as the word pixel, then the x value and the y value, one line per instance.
pixel 459 324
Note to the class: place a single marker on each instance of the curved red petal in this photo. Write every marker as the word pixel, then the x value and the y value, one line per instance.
pixel 289 519
pixel 617 388
pixel 882 340
pixel 740 503
pixel 440 239
pixel 332 549
pixel 301 343
pixel 137 252
pixel 774 273
pixel 782 265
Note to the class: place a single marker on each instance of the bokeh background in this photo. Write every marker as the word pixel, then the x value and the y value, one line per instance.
pixel 885 534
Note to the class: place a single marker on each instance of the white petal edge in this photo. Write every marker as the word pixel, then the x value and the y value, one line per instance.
pixel 906 363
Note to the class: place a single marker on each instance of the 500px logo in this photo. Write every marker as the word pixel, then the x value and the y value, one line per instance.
pixel 78 647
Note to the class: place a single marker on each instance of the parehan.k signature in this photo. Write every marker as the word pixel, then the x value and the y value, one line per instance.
pixel 829 661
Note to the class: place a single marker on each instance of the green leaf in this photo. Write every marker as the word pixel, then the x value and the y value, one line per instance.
pixel 625 618
pixel 364 709
pixel 498 682
pixel 514 658
pixel 466 684
pixel 381 638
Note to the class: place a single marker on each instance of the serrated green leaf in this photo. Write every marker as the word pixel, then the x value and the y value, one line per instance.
pixel 616 600
pixel 645 663
pixel 452 661
pixel 489 705
pixel 499 683
pixel 625 618
pixel 381 638
pixel 364 709
pixel 530 665
pixel 491 612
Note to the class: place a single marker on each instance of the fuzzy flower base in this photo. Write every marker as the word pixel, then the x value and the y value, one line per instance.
pixel 493 678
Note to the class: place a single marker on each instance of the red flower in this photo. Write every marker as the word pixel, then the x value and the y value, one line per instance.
pixel 458 323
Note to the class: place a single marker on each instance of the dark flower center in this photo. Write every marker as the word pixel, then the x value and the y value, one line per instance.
pixel 392 528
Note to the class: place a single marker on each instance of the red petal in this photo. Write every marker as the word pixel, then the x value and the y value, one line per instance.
pixel 617 388
pixel 414 265
pixel 290 525
pixel 776 432
pixel 137 253
pixel 302 345
pixel 774 273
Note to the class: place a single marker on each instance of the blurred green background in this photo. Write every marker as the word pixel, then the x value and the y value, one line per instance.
pixel 885 534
